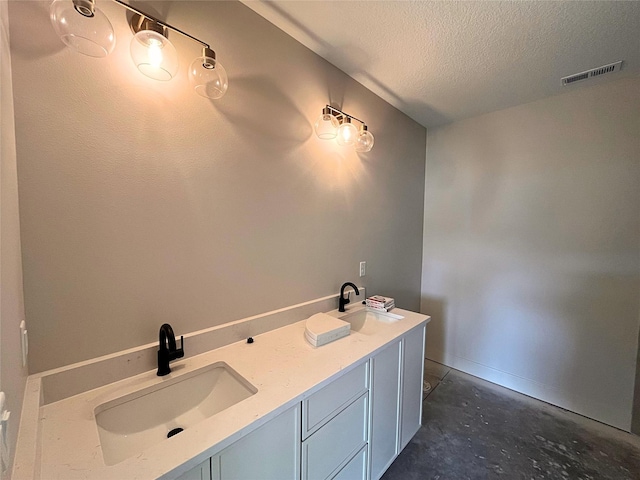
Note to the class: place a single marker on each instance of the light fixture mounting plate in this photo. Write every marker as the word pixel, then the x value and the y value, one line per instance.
pixel 140 22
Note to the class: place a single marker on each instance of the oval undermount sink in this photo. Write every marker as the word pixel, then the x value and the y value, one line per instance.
pixel 369 322
pixel 129 424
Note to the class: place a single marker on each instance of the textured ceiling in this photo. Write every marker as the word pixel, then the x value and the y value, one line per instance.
pixel 443 61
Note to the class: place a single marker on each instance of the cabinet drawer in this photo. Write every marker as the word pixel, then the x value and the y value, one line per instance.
pixel 325 403
pixel 331 447
pixel 356 469
pixel 201 472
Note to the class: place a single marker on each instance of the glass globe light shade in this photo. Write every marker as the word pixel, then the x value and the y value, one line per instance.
pixel 364 140
pixel 326 126
pixel 83 27
pixel 154 55
pixel 347 133
pixel 207 76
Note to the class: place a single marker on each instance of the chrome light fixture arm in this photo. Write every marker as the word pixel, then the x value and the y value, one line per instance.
pixel 160 22
pixel 342 115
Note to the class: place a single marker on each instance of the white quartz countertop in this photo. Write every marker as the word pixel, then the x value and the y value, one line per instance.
pixel 280 363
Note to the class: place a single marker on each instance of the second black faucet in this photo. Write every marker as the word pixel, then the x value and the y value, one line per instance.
pixel 343 301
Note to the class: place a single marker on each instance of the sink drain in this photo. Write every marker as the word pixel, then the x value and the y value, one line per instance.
pixel 173 432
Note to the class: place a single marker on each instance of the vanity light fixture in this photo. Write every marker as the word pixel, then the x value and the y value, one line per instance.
pixel 347 133
pixel 82 26
pixel 326 125
pixel 364 140
pixel 151 51
pixel 207 76
pixel 334 123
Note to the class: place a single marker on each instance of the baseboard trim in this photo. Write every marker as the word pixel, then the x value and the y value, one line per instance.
pixel 537 390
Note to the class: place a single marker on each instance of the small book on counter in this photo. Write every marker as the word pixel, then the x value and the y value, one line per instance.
pixel 378 302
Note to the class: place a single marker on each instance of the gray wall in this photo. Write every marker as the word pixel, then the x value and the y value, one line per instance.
pixel 12 374
pixel 531 263
pixel 143 203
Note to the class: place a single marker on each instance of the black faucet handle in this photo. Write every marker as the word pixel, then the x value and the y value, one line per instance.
pixel 180 351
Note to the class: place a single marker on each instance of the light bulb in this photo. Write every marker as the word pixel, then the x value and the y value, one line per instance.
pixel 83 27
pixel 153 54
pixel 207 76
pixel 347 133
pixel 364 140
pixel 326 126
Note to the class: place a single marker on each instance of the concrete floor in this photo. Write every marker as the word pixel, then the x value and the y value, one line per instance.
pixel 433 374
pixel 474 429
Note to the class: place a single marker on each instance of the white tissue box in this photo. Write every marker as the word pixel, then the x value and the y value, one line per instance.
pixel 321 329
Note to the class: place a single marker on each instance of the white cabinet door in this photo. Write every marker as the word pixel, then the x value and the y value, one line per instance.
pixel 385 393
pixel 412 377
pixel 272 452
pixel 201 472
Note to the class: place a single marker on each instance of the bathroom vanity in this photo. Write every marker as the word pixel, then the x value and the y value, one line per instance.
pixel 277 408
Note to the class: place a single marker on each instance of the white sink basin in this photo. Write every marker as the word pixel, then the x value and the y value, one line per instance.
pixel 130 424
pixel 369 322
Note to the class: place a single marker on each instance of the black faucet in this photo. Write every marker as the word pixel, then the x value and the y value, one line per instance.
pixel 344 301
pixel 168 350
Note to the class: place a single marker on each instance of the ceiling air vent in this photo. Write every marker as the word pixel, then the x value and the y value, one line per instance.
pixel 594 72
